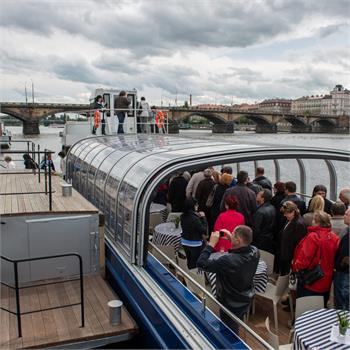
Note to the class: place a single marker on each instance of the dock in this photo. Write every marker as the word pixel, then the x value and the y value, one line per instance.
pixel 60 327
pixel 30 230
pixel 22 202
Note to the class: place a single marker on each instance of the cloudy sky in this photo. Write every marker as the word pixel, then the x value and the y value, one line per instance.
pixel 219 51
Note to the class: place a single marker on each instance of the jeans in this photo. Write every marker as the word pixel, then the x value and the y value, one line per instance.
pixel 121 118
pixel 341 290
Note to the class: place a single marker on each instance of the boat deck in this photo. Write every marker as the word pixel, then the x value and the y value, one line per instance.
pixel 62 326
pixel 23 203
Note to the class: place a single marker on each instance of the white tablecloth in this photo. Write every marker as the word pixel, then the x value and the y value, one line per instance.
pixel 313 330
pixel 260 277
pixel 159 208
pixel 167 234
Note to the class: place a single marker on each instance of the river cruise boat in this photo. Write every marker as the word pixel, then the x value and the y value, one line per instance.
pixel 120 175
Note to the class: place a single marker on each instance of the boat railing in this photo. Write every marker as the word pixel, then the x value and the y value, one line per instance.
pixel 36 171
pixel 212 297
pixel 17 288
pixel 149 122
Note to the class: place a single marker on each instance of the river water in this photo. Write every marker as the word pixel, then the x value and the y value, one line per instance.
pixel 316 171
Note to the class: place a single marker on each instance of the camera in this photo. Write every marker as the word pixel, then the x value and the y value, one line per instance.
pixel 222 233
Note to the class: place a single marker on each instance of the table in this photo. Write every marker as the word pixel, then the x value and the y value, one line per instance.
pixel 260 277
pixel 313 330
pixel 159 208
pixel 167 234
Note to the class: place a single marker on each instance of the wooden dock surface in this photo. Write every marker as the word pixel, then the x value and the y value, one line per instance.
pixel 22 203
pixel 61 326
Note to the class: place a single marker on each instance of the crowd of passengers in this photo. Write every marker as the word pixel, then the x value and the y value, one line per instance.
pixel 221 213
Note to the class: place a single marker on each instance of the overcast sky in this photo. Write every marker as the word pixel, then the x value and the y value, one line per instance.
pixel 219 51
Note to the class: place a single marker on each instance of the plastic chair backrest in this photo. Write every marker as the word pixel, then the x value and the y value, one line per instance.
pixel 272 338
pixel 309 303
pixel 282 284
pixel 154 220
pixel 269 260
pixel 168 250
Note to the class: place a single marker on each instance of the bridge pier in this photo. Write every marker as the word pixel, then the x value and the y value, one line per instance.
pixel 266 128
pixel 323 129
pixel 301 129
pixel 227 128
pixel 31 128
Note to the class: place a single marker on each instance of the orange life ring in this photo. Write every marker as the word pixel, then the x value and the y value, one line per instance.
pixel 160 116
pixel 97 119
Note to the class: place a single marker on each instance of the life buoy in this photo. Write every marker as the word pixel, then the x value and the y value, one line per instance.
pixel 160 116
pixel 97 119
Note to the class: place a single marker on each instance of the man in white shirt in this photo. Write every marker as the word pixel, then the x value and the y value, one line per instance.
pixel 10 164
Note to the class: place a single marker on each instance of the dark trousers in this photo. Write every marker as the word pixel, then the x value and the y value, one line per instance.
pixel 121 118
pixel 239 312
pixel 303 292
pixel 192 255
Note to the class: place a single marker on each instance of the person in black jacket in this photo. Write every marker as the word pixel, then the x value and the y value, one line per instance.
pixel 177 193
pixel 291 188
pixel 121 104
pixel 204 188
pixel 262 180
pixel 234 272
pixel 194 231
pixel 29 162
pixel 322 191
pixel 246 198
pixel 224 183
pixel 279 190
pixel 264 220
pixel 292 233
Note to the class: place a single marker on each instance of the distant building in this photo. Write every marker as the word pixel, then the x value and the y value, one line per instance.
pixel 247 107
pixel 278 105
pixel 336 103
pixel 307 104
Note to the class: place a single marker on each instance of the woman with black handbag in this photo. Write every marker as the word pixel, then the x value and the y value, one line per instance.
pixel 314 258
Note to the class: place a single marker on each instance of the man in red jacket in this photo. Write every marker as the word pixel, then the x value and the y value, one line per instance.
pixel 318 247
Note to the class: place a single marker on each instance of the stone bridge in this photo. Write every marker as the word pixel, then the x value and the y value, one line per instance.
pixel 266 122
pixel 31 113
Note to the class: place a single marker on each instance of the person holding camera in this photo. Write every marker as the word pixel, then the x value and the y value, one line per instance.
pixel 234 272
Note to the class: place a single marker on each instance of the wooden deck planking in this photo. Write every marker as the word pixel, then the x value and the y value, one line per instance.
pixel 23 203
pixel 61 326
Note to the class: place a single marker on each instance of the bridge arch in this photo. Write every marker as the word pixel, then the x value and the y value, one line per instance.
pixel 326 122
pixel 212 117
pixel 257 119
pixel 295 121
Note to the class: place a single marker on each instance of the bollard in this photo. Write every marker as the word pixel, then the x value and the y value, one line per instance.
pixel 66 190
pixel 115 309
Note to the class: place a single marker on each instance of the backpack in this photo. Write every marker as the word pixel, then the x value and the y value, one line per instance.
pixel 210 199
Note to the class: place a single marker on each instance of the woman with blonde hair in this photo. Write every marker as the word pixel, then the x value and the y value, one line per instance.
pixel 316 204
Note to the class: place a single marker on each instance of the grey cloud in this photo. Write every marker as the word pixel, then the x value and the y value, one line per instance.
pixel 331 29
pixel 160 27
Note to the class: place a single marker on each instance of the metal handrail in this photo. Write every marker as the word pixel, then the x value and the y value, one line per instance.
pixel 211 296
pixel 47 171
pixel 18 313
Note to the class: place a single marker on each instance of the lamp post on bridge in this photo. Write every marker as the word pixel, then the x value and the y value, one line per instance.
pixel 32 90
pixel 25 91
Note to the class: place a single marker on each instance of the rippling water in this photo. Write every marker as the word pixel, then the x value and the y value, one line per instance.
pixel 316 171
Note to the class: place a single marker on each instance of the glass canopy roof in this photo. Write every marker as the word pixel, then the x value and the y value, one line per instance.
pixel 115 173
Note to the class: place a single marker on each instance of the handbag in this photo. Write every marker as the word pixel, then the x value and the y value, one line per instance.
pixel 313 275
pixel 210 199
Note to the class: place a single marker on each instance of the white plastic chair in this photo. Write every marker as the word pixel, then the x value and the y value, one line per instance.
pixel 172 216
pixel 273 339
pixel 274 292
pixel 168 250
pixel 154 220
pixel 304 304
pixel 269 260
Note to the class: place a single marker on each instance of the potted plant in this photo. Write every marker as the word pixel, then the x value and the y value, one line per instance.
pixel 344 322
pixel 177 222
